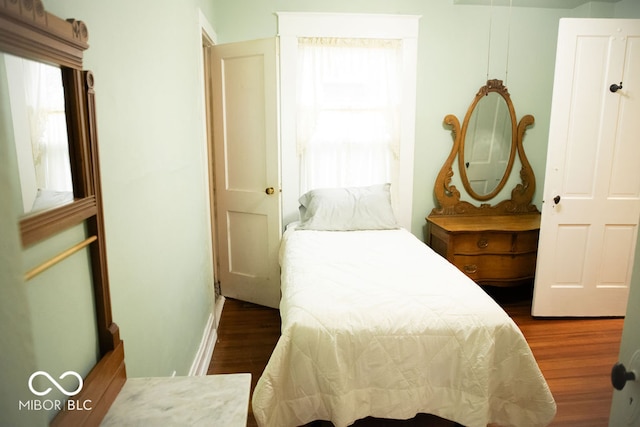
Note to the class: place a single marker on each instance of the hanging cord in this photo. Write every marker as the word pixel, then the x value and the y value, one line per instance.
pixel 506 68
pixel 489 48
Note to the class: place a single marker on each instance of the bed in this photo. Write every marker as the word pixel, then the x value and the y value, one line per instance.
pixel 374 323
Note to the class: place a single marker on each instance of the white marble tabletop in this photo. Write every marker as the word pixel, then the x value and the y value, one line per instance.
pixel 211 400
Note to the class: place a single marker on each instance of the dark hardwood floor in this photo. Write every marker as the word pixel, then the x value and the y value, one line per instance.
pixel 575 356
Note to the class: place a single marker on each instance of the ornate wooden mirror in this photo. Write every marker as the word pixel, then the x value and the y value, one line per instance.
pixel 493 244
pixel 42 55
pixel 487 146
pixel 38 49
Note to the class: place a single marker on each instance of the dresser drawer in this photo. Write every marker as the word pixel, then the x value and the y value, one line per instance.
pixel 527 241
pixel 496 250
pixel 497 267
pixel 473 243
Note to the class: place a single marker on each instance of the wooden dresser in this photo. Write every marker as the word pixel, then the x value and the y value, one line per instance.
pixel 497 250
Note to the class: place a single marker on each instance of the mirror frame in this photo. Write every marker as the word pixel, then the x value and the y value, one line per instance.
pixel 29 31
pixel 448 196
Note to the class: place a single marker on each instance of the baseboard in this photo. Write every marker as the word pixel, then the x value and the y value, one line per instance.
pixel 218 309
pixel 200 364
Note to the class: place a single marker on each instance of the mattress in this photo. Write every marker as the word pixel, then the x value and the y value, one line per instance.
pixel 374 323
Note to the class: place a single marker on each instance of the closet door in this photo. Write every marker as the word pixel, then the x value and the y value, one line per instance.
pixel 591 194
pixel 246 164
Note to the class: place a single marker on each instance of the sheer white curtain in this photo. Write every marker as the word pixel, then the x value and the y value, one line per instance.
pixel 48 127
pixel 348 111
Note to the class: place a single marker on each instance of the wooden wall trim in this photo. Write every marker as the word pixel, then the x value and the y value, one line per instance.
pixel 27 30
pixel 37 227
pixel 102 386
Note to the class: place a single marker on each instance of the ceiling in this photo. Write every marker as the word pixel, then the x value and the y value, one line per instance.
pixel 547 4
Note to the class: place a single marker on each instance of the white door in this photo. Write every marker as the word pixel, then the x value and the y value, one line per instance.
pixel 246 152
pixel 625 406
pixel 591 193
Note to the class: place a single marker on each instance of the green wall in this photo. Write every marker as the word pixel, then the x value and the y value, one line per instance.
pixel 146 60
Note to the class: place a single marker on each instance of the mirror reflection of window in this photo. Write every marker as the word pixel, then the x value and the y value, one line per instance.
pixel 39 122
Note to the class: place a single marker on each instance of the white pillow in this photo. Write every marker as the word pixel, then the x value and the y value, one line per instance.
pixel 345 209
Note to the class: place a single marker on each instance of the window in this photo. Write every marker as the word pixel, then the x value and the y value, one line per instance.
pixel 349 107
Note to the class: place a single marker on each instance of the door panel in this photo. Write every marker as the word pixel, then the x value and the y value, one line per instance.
pixel 625 181
pixel 617 255
pixel 248 237
pixel 570 246
pixel 246 164
pixel 245 134
pixel 588 236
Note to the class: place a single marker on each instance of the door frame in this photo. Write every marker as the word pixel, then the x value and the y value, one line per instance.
pixel 207 39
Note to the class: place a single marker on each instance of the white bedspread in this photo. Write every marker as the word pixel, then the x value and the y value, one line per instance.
pixel 374 323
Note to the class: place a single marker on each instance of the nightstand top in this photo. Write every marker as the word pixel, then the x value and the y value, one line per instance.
pixel 518 222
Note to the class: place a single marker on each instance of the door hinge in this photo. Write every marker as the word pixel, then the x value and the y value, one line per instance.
pixel 217 289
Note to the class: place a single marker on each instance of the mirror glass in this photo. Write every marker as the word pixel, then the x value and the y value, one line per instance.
pixel 487 146
pixel 37 106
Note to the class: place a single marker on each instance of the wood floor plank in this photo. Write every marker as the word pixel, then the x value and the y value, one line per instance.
pixel 574 355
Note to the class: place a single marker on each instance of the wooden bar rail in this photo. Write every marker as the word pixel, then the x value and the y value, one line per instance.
pixel 56 259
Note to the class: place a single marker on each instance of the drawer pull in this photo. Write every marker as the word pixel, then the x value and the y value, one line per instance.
pixel 483 243
pixel 470 268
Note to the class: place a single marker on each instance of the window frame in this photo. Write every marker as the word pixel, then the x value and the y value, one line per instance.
pixel 292 25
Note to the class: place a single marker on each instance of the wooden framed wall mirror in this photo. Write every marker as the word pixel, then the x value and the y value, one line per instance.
pixel 493 240
pixel 47 112
pixel 487 146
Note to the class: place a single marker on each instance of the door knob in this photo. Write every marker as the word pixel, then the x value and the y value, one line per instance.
pixel 269 190
pixel 614 87
pixel 556 200
pixel 620 376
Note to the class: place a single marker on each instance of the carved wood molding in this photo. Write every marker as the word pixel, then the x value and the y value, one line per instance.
pixel 28 30
pixel 448 195
pixel 495 85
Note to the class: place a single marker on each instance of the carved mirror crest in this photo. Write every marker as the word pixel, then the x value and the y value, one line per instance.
pixel 487 146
